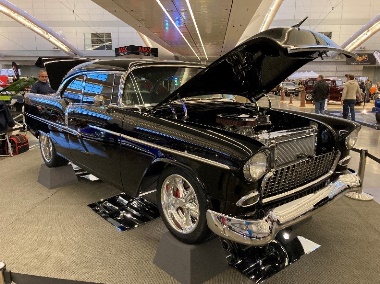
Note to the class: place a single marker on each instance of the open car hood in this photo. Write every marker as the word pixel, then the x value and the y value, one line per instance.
pixel 259 64
pixel 57 68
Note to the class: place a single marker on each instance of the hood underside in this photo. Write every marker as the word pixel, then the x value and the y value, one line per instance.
pixel 260 63
pixel 57 68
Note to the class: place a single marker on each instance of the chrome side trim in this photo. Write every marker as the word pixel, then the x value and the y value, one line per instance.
pixel 55 125
pixel 162 148
pixel 260 232
pixel 183 154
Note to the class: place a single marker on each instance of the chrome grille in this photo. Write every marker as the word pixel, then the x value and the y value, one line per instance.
pixel 294 148
pixel 286 180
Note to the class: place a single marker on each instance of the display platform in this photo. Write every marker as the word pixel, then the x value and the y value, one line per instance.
pixel 53 233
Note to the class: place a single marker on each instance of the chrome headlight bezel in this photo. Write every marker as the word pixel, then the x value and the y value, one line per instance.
pixel 351 139
pixel 256 166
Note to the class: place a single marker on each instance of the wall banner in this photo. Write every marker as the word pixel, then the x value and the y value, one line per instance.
pixel 362 59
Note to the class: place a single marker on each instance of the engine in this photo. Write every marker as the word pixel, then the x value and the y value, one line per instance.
pixel 244 124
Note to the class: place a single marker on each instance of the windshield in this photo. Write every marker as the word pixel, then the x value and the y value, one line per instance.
pixel 339 83
pixel 150 85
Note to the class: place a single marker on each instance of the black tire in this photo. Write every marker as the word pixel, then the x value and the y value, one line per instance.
pixel 48 152
pixel 191 202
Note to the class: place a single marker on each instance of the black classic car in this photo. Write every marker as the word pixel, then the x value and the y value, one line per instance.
pixel 221 159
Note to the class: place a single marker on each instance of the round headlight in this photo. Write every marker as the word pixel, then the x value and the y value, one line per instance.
pixel 256 167
pixel 351 139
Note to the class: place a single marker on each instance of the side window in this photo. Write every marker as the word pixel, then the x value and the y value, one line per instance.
pixel 150 85
pixel 99 86
pixel 73 91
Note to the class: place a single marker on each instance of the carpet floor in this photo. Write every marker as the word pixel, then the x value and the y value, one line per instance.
pixel 54 233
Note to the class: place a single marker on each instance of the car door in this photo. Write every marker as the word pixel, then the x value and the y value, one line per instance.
pixel 136 157
pixel 96 126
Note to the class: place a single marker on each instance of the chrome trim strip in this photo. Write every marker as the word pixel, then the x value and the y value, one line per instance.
pixel 183 154
pixel 54 124
pixel 310 184
pixel 260 232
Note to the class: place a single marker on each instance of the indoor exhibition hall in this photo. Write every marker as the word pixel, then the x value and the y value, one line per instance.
pixel 189 141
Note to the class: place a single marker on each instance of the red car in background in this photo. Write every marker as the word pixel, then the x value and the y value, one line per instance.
pixel 335 91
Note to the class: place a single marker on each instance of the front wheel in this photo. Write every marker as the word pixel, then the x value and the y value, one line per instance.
pixel 48 152
pixel 183 206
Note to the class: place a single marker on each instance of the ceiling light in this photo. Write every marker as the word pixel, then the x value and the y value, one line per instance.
pixel 33 24
pixel 170 18
pixel 196 27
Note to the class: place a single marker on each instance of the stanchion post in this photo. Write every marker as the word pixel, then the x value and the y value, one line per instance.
pixel 2 271
pixel 362 162
pixel 303 98
pixel 291 99
pixel 282 94
pixel 359 194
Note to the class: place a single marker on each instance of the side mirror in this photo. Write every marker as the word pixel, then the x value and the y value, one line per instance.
pixel 99 101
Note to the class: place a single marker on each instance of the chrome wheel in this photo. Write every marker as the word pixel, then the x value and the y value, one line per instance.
pixel 180 204
pixel 46 147
pixel 309 97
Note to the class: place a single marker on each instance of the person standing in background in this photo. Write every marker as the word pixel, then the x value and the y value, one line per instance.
pixel 351 89
pixel 42 86
pixel 320 94
pixel 368 85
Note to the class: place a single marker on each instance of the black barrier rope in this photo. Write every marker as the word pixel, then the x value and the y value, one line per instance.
pixel 369 155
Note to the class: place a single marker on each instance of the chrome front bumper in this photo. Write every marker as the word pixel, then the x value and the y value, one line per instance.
pixel 261 231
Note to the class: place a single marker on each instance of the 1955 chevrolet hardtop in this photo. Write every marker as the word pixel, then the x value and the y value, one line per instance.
pixel 221 158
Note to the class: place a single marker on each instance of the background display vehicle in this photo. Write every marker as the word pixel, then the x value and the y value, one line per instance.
pixel 290 88
pixel 221 159
pixel 335 90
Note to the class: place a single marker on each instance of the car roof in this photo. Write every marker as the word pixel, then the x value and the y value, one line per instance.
pixel 125 63
pixel 58 69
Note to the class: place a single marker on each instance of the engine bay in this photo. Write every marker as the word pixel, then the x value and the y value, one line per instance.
pixel 244 124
